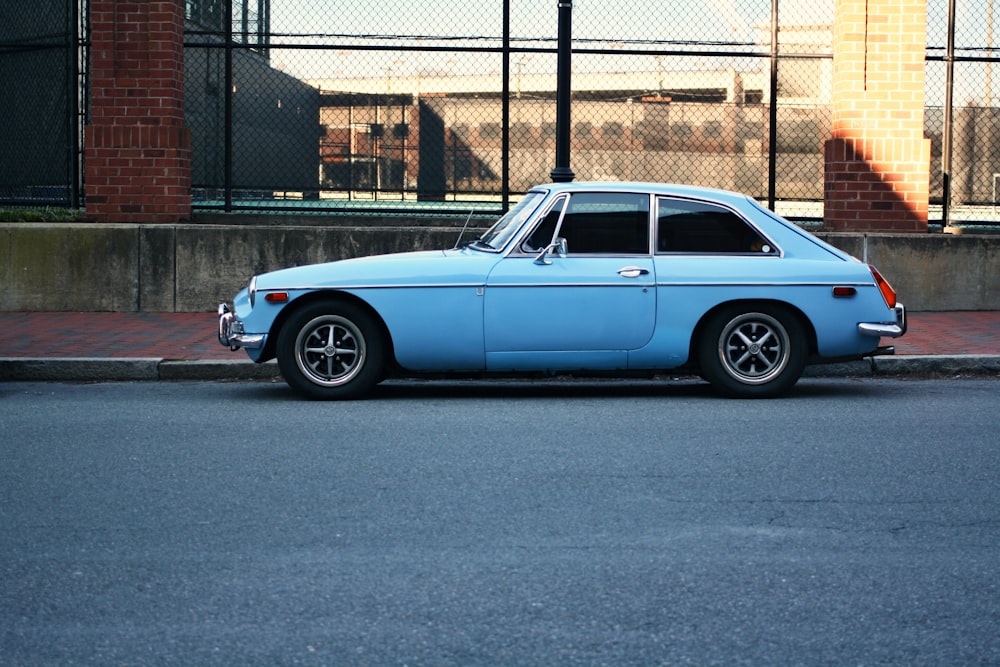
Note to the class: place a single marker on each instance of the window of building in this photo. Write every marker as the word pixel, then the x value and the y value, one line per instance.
pixel 683 130
pixel 613 130
pixel 522 132
pixel 489 131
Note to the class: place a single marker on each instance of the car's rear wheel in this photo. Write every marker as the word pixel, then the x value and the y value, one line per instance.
pixel 331 350
pixel 753 351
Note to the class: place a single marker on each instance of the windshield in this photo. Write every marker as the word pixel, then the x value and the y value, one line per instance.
pixel 497 236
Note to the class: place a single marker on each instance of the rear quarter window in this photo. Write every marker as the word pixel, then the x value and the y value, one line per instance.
pixel 684 226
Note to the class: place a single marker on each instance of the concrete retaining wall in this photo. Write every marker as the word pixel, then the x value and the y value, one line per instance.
pixel 192 267
pixel 933 271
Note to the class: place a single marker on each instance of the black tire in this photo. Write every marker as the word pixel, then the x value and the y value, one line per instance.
pixel 753 351
pixel 331 351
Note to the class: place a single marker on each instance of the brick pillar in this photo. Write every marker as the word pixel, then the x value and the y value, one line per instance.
pixel 137 155
pixel 877 174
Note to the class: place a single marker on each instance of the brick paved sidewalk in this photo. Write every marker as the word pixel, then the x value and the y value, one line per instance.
pixel 192 336
pixel 181 336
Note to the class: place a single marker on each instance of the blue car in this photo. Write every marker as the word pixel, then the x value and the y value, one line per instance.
pixel 578 278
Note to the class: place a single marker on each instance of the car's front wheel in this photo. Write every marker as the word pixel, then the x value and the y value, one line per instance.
pixel 331 350
pixel 753 351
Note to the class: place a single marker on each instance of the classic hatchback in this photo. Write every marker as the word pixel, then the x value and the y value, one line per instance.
pixel 578 277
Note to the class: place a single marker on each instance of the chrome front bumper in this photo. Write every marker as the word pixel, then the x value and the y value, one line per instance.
pixel 231 331
pixel 887 329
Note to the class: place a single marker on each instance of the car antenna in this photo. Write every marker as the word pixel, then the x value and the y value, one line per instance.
pixel 464 227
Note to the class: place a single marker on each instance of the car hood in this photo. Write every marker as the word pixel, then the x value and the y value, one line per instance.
pixel 459 266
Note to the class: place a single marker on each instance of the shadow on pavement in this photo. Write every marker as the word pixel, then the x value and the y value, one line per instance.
pixel 557 388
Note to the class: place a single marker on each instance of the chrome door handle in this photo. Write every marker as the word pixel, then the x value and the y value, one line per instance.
pixel 632 272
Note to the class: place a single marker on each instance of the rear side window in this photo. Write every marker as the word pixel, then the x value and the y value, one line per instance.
pixel 684 226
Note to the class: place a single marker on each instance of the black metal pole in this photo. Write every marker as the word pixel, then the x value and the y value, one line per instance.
pixel 772 122
pixel 75 136
pixel 562 173
pixel 505 113
pixel 228 112
pixel 946 131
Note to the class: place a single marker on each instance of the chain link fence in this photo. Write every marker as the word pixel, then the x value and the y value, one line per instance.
pixel 308 104
pixel 40 123
pixel 962 108
pixel 446 102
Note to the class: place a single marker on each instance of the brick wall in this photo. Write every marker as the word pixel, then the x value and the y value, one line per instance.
pixel 877 162
pixel 137 150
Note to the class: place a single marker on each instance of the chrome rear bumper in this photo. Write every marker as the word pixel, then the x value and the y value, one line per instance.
pixel 887 329
pixel 231 331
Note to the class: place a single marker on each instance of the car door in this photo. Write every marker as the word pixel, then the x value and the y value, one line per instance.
pixel 582 308
pixel 706 254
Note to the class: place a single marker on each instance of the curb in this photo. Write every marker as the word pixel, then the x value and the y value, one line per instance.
pixel 98 369
pixel 959 364
pixel 910 364
pixel 217 370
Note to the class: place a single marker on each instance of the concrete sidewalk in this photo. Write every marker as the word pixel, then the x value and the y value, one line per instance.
pixel 173 346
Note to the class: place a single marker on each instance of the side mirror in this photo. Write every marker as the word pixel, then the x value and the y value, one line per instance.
pixel 558 246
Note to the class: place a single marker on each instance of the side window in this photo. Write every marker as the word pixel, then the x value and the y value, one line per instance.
pixel 607 223
pixel 698 227
pixel 543 233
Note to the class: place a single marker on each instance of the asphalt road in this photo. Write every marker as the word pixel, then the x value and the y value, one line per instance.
pixel 507 523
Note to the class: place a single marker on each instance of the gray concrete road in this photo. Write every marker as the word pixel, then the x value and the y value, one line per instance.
pixel 505 523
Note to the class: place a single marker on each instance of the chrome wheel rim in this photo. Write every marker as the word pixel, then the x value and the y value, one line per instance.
pixel 330 350
pixel 754 348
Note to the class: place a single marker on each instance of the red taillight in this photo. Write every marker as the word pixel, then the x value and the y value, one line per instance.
pixel 276 297
pixel 844 292
pixel 888 293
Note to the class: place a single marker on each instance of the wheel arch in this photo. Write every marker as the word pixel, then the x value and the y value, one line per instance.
pixel 332 297
pixel 698 333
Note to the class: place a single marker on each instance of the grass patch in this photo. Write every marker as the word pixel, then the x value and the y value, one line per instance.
pixel 47 214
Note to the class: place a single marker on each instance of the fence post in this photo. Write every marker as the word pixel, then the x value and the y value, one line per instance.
pixel 505 112
pixel 946 131
pixel 772 114
pixel 227 122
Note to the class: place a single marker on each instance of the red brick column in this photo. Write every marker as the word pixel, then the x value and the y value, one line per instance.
pixel 878 163
pixel 137 156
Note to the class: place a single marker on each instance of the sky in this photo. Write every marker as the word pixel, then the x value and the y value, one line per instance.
pixel 615 24
pixel 596 23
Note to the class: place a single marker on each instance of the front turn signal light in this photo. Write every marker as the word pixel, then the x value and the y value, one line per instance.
pixel 276 297
pixel 888 293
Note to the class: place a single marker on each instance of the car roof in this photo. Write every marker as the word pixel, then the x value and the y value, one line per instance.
pixel 670 189
pixel 791 233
